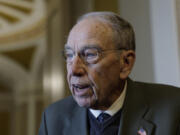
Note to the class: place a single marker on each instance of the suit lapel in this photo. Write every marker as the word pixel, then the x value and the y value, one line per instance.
pixel 78 123
pixel 134 111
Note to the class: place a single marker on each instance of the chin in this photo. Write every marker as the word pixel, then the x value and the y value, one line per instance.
pixel 84 102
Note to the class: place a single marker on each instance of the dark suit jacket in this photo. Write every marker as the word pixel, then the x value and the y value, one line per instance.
pixel 153 107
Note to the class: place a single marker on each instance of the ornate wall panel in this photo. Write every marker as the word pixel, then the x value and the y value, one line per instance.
pixel 22 51
pixel 30 76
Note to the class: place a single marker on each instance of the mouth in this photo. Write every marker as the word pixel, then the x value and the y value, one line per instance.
pixel 81 89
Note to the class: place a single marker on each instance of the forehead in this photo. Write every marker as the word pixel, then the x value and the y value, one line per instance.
pixel 91 32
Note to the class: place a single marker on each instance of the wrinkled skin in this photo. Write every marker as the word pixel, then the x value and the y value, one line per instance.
pixel 95 85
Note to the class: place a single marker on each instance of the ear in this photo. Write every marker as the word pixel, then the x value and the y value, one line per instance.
pixel 127 60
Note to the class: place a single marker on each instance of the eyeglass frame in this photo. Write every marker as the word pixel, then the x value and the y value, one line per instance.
pixel 100 51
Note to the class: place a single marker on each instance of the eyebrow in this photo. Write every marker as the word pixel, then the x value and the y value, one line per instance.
pixel 88 46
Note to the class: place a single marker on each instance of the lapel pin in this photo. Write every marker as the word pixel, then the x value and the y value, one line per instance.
pixel 141 131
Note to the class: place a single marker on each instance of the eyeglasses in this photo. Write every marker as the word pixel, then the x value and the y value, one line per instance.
pixel 88 55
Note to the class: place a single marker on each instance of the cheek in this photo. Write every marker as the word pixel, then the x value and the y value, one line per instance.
pixel 106 71
pixel 104 75
pixel 97 75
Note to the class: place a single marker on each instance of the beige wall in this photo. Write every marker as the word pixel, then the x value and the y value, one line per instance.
pixel 156 26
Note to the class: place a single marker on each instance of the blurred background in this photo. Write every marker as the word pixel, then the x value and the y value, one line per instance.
pixel 33 33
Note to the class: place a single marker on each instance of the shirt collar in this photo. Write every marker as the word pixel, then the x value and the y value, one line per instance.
pixel 115 107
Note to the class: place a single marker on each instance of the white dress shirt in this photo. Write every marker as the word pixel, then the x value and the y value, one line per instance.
pixel 115 107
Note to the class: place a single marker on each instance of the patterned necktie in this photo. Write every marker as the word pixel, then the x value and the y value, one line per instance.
pixel 103 117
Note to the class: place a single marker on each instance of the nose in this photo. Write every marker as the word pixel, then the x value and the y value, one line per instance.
pixel 77 67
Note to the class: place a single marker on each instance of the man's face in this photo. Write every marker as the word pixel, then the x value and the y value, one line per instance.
pixel 94 85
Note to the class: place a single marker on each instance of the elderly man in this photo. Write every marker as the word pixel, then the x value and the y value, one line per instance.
pixel 100 54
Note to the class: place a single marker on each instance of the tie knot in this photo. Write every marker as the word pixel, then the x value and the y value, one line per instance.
pixel 103 117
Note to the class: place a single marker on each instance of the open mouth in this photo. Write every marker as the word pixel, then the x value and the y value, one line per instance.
pixel 81 89
pixel 81 86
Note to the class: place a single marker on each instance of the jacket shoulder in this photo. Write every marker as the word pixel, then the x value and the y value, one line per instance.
pixel 159 92
pixel 61 107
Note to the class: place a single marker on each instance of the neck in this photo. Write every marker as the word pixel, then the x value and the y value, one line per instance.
pixel 109 101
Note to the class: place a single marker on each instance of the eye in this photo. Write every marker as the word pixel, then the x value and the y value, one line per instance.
pixel 90 53
pixel 68 55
